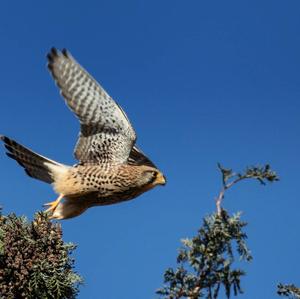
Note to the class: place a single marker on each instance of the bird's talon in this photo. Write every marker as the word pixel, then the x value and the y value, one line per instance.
pixel 53 204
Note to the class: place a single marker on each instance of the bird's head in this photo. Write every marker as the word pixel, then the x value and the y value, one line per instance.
pixel 153 177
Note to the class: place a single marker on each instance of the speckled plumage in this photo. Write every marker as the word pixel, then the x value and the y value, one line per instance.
pixel 111 168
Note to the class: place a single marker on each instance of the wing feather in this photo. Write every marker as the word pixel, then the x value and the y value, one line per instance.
pixel 105 131
pixel 137 157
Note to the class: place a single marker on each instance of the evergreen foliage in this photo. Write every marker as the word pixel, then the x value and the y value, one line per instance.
pixel 34 260
pixel 288 290
pixel 209 257
pixel 208 261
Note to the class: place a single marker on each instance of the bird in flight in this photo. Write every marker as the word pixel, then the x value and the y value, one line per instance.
pixel 110 168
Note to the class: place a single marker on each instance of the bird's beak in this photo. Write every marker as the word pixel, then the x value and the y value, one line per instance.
pixel 160 179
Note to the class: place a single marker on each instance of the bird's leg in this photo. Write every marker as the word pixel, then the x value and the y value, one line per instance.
pixel 53 204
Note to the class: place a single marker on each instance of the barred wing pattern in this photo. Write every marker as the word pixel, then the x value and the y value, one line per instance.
pixel 106 134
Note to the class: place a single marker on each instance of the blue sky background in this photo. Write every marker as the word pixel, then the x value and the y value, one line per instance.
pixel 202 82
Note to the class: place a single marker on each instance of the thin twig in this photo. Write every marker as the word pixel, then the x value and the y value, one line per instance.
pixel 221 195
pixel 219 201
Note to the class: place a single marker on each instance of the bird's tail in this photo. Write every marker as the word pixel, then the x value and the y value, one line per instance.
pixel 35 165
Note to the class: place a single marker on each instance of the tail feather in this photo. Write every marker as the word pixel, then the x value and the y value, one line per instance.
pixel 35 165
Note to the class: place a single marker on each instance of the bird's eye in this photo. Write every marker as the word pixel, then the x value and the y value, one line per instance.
pixel 151 175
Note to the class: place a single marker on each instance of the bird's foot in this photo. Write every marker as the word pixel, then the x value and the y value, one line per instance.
pixel 53 205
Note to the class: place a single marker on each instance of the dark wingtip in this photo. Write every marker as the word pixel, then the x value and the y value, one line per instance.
pixel 54 51
pixel 49 58
pixel 65 52
pixel 52 54
pixel 11 156
pixel 8 143
pixel 8 147
pixel 5 139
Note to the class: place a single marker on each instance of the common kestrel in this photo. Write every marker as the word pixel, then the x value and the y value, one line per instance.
pixel 111 168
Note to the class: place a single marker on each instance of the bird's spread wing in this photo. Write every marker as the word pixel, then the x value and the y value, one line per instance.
pixel 105 132
pixel 137 157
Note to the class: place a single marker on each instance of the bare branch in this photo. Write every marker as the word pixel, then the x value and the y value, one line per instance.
pixel 261 173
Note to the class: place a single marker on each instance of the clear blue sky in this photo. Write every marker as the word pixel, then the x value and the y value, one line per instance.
pixel 202 82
